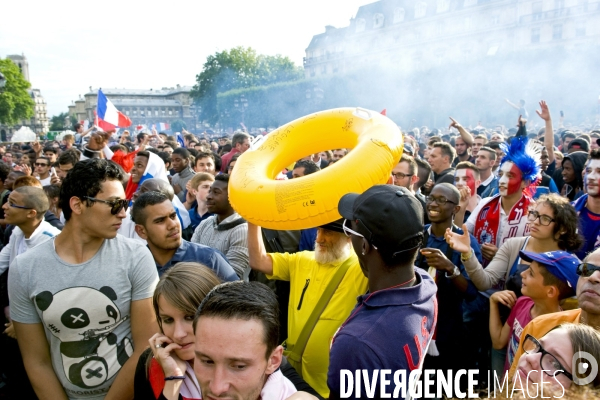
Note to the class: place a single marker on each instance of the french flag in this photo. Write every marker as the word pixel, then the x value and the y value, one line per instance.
pixel 163 126
pixel 179 138
pixel 108 114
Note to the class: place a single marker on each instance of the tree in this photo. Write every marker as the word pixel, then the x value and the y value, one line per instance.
pixel 57 122
pixel 15 101
pixel 177 125
pixel 238 68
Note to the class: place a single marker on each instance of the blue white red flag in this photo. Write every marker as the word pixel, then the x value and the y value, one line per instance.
pixel 108 113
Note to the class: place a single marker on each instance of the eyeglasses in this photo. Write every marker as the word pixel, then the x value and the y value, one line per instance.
pixel 116 205
pixel 349 232
pixel 545 220
pixel 549 362
pixel 41 164
pixel 21 207
pixel 587 269
pixel 400 175
pixel 439 200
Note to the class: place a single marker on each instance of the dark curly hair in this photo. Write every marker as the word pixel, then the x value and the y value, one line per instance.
pixel 85 179
pixel 565 218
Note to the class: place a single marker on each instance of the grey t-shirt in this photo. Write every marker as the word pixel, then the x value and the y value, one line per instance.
pixel 84 308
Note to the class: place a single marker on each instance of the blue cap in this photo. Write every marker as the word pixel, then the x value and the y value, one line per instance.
pixel 559 263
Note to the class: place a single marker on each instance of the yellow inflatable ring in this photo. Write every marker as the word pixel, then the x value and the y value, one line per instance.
pixel 312 200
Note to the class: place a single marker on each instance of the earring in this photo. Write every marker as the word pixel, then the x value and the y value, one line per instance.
pixel 363 252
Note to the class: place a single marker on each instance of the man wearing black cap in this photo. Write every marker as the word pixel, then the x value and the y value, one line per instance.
pixel 392 325
pixel 324 285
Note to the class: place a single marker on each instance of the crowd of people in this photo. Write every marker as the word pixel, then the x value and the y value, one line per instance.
pixel 126 272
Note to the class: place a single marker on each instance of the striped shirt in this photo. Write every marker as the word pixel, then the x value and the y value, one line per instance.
pixel 231 242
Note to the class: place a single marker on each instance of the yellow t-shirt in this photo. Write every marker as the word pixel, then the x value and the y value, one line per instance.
pixel 301 270
pixel 541 325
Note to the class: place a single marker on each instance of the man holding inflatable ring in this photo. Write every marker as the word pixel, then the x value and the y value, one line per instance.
pixel 314 295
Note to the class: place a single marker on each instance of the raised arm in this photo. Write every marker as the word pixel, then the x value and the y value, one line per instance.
pixel 259 259
pixel 466 136
pixel 544 114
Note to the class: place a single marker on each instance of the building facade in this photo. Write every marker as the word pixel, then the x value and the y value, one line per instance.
pixel 143 107
pixel 407 34
pixel 39 123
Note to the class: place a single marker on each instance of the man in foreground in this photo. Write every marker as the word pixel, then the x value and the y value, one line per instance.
pixel 84 315
pixel 401 298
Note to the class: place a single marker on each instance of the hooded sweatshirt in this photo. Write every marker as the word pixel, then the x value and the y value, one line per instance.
pixel 578 159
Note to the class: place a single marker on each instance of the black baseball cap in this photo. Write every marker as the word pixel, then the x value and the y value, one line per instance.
pixel 386 215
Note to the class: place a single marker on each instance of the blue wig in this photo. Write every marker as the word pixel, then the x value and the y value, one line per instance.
pixel 526 155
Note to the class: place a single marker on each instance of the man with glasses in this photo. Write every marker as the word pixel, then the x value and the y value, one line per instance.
pixel 453 285
pixel 588 297
pixel 400 298
pixel 81 303
pixel 42 170
pixel 310 274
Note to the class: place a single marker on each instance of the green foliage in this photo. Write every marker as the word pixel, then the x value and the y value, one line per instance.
pixel 15 101
pixel 57 122
pixel 177 125
pixel 238 68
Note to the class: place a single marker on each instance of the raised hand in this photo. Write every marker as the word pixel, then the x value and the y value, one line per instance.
pixel 465 195
pixel 454 123
pixel 506 297
pixel 544 112
pixel 169 362
pixel 459 242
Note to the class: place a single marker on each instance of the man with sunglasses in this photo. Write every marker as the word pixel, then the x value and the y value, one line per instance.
pixel 588 297
pixel 400 298
pixel 81 303
pixel 42 170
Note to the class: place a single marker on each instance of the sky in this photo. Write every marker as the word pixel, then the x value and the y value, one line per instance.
pixel 72 45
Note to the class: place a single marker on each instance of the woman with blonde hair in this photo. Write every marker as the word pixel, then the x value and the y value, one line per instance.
pixel 166 368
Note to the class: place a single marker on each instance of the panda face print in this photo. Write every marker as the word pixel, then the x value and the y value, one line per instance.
pixel 79 313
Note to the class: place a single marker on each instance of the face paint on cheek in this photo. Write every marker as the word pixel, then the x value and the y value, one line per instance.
pixel 514 183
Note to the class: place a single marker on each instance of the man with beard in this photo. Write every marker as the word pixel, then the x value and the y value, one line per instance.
pixel 156 222
pixel 330 272
pixel 462 144
pixel 588 298
pixel 225 231
pixel 588 206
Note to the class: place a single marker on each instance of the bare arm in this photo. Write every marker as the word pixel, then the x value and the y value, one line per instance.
pixel 36 357
pixel 513 105
pixel 259 259
pixel 499 333
pixel 466 136
pixel 143 326
pixel 549 134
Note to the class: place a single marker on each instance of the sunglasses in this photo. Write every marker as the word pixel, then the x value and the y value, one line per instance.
pixel 586 269
pixel 115 205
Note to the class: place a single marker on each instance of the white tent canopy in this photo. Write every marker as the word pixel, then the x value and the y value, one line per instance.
pixel 24 135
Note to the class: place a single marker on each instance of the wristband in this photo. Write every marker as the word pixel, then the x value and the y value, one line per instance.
pixel 172 378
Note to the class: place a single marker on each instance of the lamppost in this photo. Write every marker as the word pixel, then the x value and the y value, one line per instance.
pixel 241 104
pixel 196 110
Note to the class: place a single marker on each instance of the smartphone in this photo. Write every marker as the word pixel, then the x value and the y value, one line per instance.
pixel 52 171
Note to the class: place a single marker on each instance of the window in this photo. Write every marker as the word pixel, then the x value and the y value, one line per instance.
pixel 156 113
pixel 134 112
pixel 170 112
pixel 360 25
pixel 420 9
pixel 557 32
pixel 535 35
pixel 378 20
pixel 536 10
pixel 126 112
pixel 398 15
pixel 495 19
pixel 443 5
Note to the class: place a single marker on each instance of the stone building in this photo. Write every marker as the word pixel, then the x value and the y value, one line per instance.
pixel 143 107
pixel 39 123
pixel 406 34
